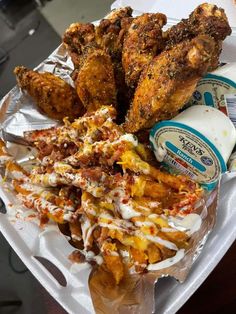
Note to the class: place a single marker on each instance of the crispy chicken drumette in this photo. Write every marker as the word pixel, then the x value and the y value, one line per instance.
pixel 53 95
pixel 142 42
pixel 205 19
pixel 108 36
pixel 95 83
pixel 76 38
pixel 169 81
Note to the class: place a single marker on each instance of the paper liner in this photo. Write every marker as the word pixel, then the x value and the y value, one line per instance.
pixel 135 294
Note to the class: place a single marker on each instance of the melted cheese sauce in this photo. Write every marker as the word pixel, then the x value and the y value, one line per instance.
pixel 167 262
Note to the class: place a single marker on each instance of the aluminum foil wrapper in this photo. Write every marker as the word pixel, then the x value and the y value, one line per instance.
pixel 135 294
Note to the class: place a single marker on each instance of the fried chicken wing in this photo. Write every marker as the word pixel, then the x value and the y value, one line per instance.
pixel 119 13
pixel 142 42
pixel 110 35
pixel 76 38
pixel 107 36
pixel 95 83
pixel 169 81
pixel 205 19
pixel 111 30
pixel 53 95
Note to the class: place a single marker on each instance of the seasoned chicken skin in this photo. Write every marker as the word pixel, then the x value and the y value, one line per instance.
pixel 95 83
pixel 119 13
pixel 53 95
pixel 142 42
pixel 205 19
pixel 108 37
pixel 76 38
pixel 169 81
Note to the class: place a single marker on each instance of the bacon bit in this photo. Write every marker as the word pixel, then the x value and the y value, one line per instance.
pixel 125 201
pixel 32 216
pixel 152 230
pixel 76 257
pixel 43 220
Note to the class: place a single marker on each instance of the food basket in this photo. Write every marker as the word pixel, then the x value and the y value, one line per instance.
pixel 45 252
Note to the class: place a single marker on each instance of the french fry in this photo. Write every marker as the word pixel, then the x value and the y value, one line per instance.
pixel 154 254
pixel 4 155
pixel 113 260
pixel 140 259
pixel 132 161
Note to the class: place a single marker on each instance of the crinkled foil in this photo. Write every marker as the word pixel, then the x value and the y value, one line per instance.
pixel 135 294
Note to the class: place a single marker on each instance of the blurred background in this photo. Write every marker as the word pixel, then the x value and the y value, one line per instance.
pixel 29 31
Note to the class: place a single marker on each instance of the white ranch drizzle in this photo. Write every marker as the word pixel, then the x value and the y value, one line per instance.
pixel 68 216
pixel 18 175
pixel 144 223
pixel 129 138
pixel 163 229
pixel 76 237
pixel 190 223
pixel 112 253
pixel 90 256
pixel 47 179
pixel 105 216
pixel 144 208
pixel 110 226
pixel 87 207
pixel 78 267
pixel 4 159
pixel 88 235
pixel 167 262
pixel 124 253
pixel 153 204
pixel 127 211
pixel 40 204
pixel 85 225
pixel 161 241
pixel 34 188
pixel 91 187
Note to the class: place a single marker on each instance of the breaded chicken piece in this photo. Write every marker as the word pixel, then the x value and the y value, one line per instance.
pixel 95 83
pixel 111 30
pixel 205 19
pixel 53 95
pixel 76 37
pixel 110 35
pixel 106 34
pixel 117 14
pixel 169 81
pixel 142 42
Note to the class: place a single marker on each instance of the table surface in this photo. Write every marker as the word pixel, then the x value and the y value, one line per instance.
pixel 218 293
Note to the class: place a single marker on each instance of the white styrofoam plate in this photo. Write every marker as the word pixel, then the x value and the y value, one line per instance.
pixel 29 241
